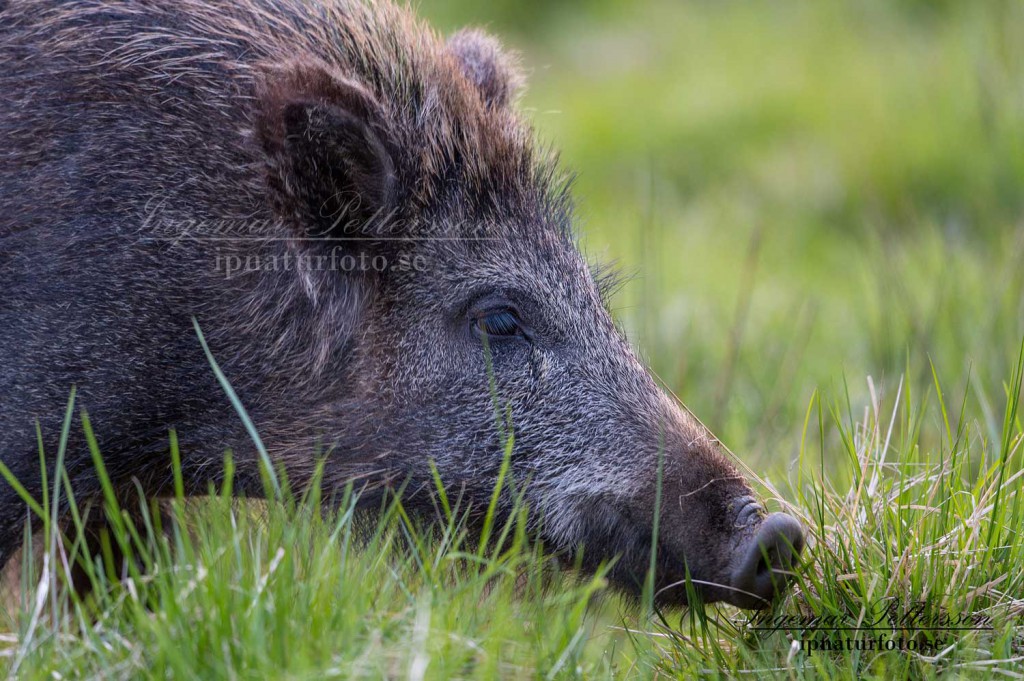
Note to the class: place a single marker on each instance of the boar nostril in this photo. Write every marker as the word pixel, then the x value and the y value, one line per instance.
pixel 766 561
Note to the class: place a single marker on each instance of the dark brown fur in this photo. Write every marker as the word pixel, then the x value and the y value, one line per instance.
pixel 148 144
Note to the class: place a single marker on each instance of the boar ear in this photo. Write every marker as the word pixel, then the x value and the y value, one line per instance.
pixel 495 73
pixel 326 143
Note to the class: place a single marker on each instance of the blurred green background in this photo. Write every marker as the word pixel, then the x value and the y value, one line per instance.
pixel 806 193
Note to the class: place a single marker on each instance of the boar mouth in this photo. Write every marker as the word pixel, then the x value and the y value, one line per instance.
pixel 763 564
pixel 756 569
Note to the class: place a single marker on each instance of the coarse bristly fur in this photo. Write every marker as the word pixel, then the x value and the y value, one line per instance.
pixel 230 161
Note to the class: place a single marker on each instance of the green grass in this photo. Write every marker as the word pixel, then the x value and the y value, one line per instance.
pixel 299 588
pixel 823 203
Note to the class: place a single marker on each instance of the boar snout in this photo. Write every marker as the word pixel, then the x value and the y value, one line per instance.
pixel 764 563
pixel 749 564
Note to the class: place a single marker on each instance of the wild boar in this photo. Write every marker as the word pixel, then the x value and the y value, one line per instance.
pixel 367 232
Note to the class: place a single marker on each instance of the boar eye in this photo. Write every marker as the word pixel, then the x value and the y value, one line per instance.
pixel 497 323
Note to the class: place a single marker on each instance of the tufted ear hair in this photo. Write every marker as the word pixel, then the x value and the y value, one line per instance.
pixel 495 73
pixel 326 141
